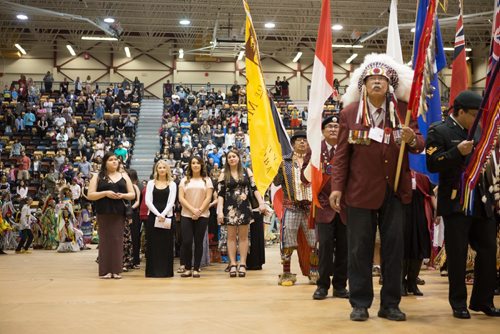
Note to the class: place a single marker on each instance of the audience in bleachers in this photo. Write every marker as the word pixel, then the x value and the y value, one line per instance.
pixel 52 140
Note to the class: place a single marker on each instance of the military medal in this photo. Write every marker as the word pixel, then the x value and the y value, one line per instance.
pixel 387 135
pixel 397 136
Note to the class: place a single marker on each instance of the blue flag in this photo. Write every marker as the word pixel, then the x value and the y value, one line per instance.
pixel 417 161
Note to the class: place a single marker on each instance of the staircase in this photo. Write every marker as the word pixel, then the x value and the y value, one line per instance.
pixel 147 140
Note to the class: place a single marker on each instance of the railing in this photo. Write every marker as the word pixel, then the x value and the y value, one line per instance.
pixel 101 85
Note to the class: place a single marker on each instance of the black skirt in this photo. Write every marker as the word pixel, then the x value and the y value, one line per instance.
pixel 159 250
pixel 257 256
pixel 416 233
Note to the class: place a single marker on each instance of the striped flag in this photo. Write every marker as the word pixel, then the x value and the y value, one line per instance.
pixel 495 41
pixel 417 161
pixel 489 115
pixel 321 89
pixel 459 81
pixel 265 148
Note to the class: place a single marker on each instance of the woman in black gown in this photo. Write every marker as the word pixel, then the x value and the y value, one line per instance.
pixel 417 238
pixel 160 200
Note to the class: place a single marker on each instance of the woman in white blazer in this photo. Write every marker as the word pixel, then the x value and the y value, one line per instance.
pixel 160 200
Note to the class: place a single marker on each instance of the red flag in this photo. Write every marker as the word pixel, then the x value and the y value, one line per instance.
pixel 420 60
pixel 459 80
pixel 321 89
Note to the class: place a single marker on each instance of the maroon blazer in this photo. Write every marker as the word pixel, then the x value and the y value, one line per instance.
pixel 325 214
pixel 363 172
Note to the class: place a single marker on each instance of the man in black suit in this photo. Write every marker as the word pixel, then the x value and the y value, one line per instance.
pixel 330 226
pixel 448 151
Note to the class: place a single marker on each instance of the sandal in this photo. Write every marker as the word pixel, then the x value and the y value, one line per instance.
pixel 242 273
pixel 186 273
pixel 107 276
pixel 232 273
pixel 117 276
pixel 228 268
pixel 196 274
pixel 181 270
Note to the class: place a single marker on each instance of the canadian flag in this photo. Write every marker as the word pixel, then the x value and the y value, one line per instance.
pixel 321 89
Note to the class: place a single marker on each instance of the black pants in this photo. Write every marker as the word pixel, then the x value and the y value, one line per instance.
pixel 459 231
pixel 135 231
pixel 193 229
pixel 332 243
pixel 361 229
pixel 26 240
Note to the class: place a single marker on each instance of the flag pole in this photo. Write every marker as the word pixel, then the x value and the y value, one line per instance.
pixel 401 153
pixel 418 104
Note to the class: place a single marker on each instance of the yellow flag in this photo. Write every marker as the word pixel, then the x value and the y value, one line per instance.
pixel 265 149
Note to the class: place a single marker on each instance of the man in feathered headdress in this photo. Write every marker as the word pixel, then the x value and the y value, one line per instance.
pixel 364 170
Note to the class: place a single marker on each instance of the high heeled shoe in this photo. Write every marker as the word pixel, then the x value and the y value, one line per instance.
pixel 242 273
pixel 233 273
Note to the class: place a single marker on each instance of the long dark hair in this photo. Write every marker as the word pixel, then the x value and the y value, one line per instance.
pixel 103 173
pixel 132 173
pixel 227 168
pixel 203 170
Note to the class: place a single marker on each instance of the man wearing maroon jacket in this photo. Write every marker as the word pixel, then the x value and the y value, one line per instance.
pixel 364 169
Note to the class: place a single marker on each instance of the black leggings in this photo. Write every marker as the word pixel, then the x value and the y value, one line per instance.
pixel 193 229
pixel 26 240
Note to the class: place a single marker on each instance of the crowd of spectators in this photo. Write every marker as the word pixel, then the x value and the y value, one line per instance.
pixel 52 137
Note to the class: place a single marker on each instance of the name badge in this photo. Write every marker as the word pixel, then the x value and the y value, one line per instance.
pixel 376 134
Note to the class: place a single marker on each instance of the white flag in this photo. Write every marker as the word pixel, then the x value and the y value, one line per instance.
pixel 393 41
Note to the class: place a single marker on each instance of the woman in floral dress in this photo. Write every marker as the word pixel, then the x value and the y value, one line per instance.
pixel 234 209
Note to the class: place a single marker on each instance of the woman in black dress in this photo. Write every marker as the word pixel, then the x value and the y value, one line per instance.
pixel 160 200
pixel 417 238
pixel 110 189
pixel 257 253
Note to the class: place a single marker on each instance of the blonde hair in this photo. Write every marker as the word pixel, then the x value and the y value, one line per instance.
pixel 169 172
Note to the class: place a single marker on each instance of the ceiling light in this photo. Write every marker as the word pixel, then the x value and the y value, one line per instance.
pixel 412 30
pixel 337 27
pixel 297 57
pixel 22 17
pixel 20 48
pixel 269 25
pixel 127 52
pixel 109 20
pixel 453 49
pixel 181 53
pixel 184 22
pixel 347 46
pixel 98 38
pixel 70 49
pixel 351 58
pixel 241 54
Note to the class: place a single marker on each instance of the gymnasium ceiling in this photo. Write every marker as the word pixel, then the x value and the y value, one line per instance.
pixel 153 26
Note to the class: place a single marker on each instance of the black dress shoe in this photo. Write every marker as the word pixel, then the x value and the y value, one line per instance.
pixel 420 281
pixel 392 313
pixel 359 314
pixel 341 293
pixel 415 290
pixel 461 313
pixel 320 294
pixel 490 311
